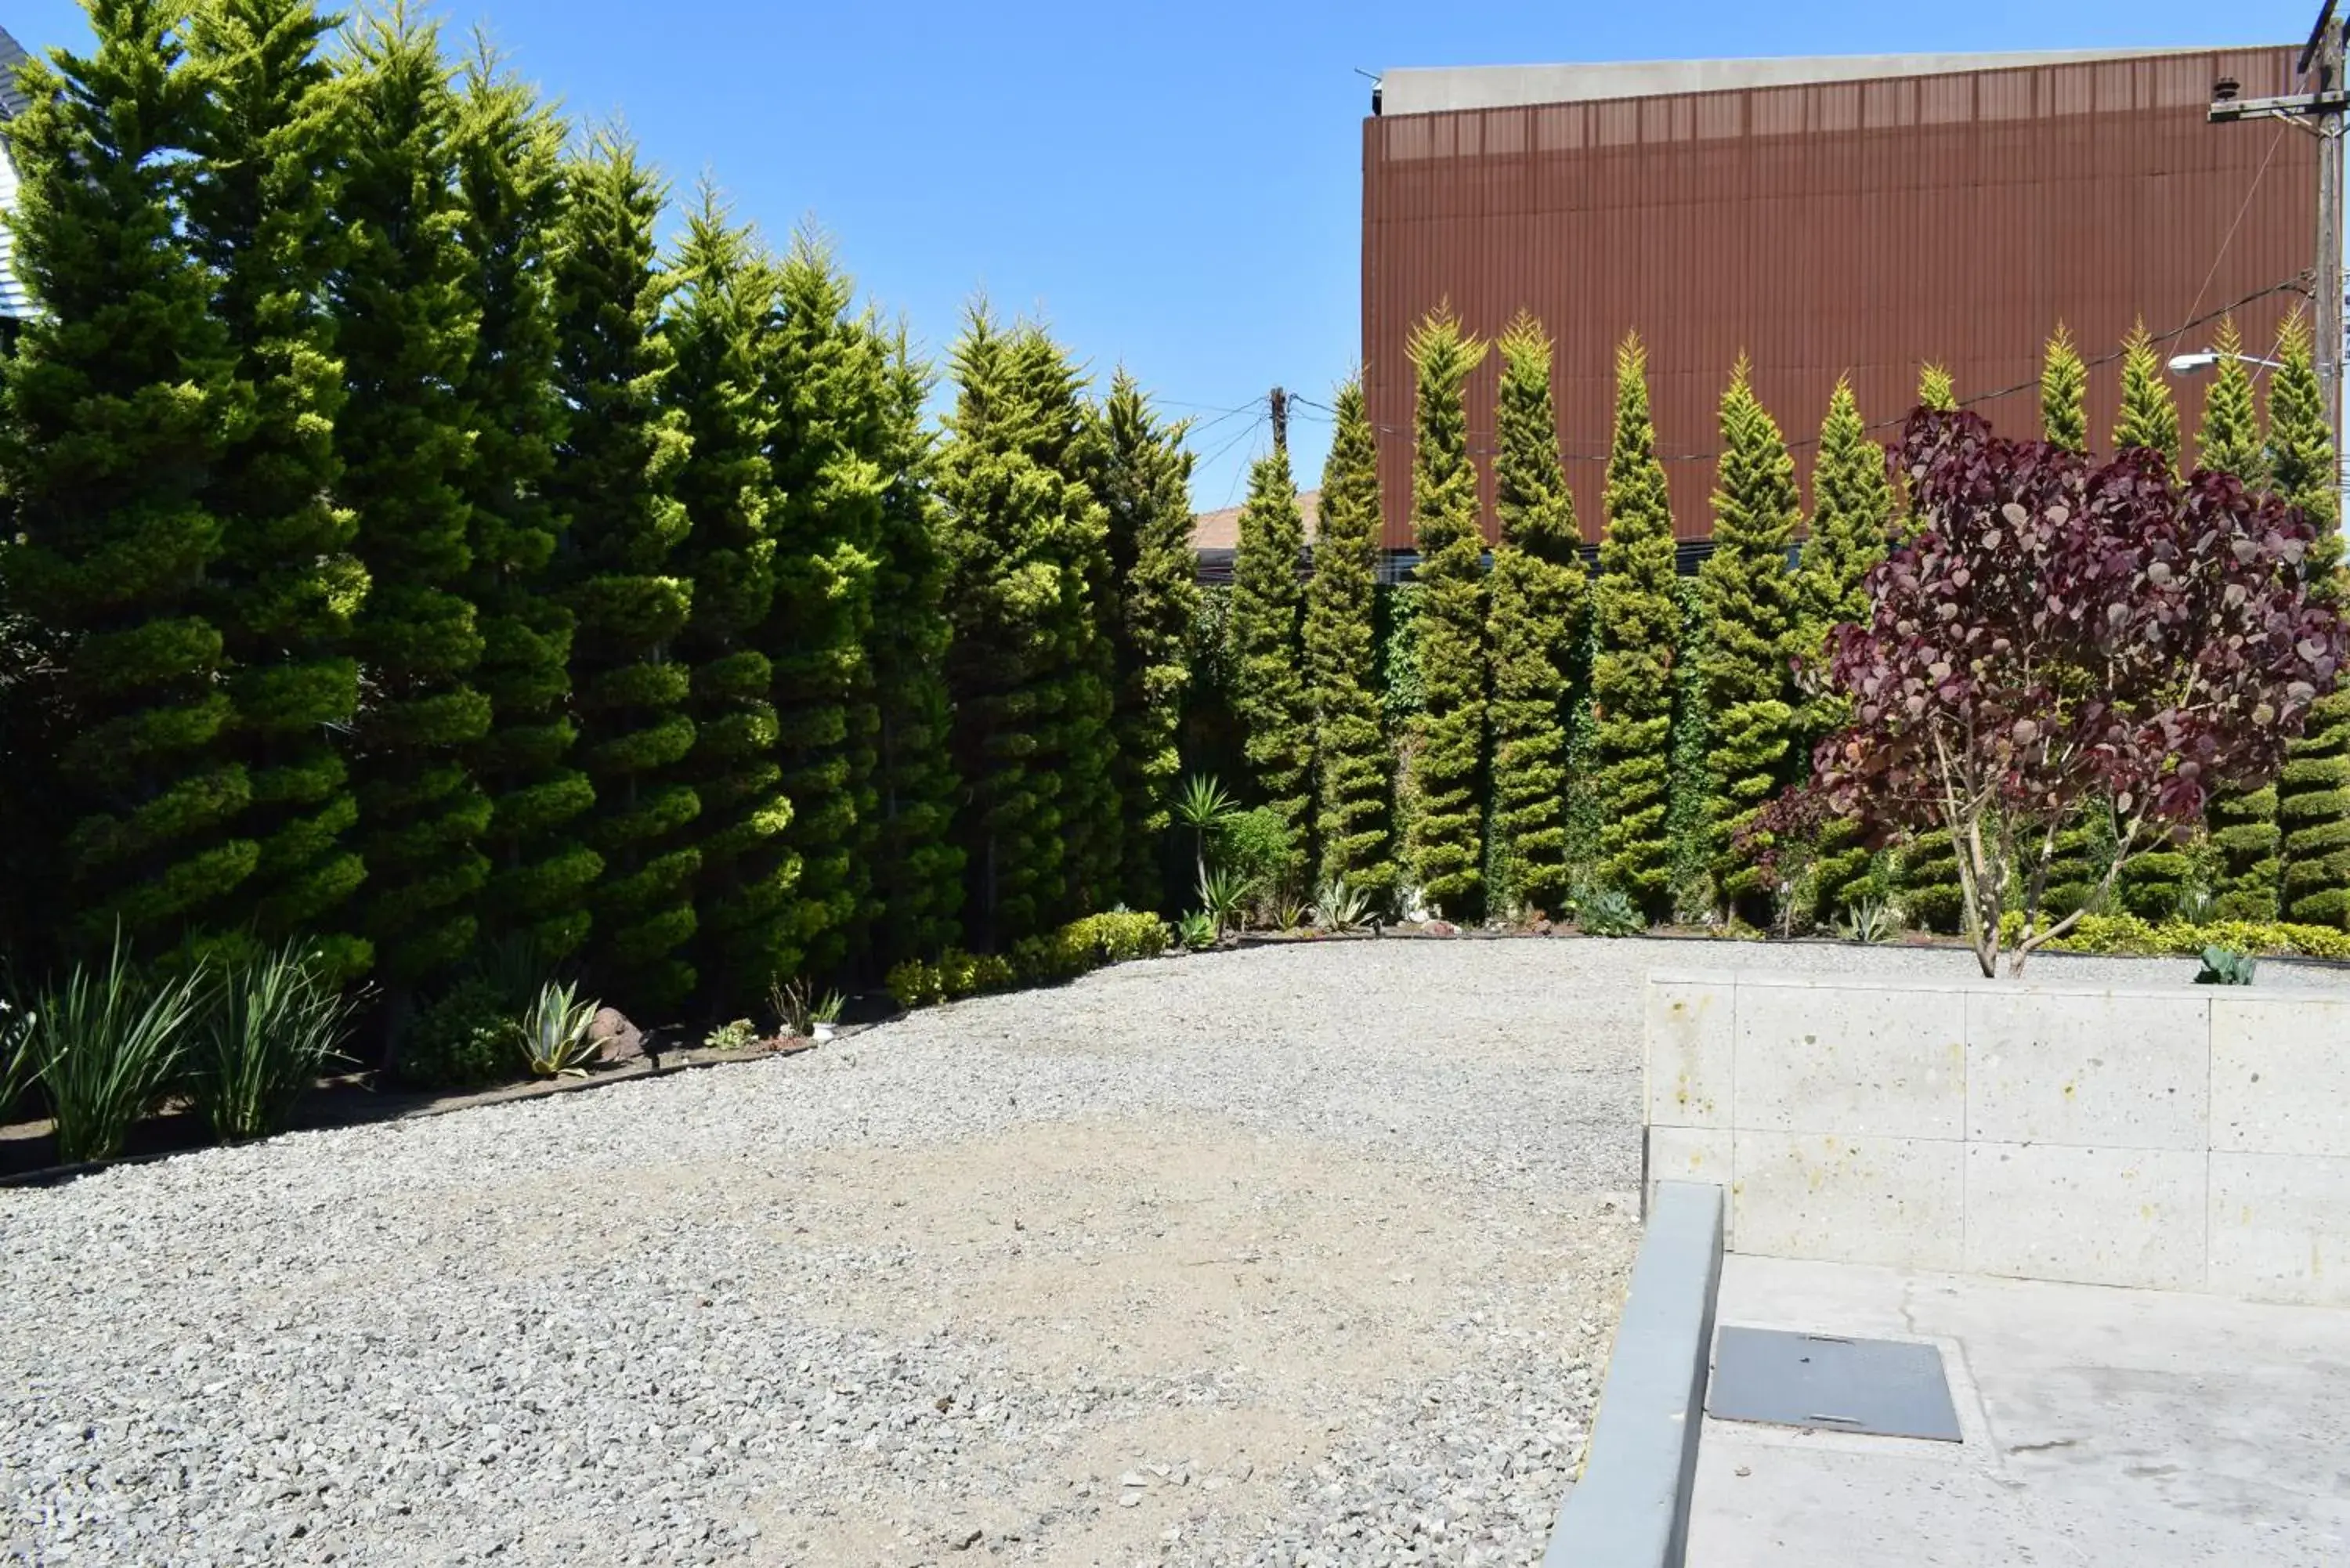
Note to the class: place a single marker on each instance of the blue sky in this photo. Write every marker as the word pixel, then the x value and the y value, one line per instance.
pixel 1173 188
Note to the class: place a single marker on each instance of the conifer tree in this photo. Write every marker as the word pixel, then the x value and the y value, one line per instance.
pixel 1751 613
pixel 1927 864
pixel 2148 418
pixel 119 397
pixel 2313 789
pixel 826 379
pixel 2243 822
pixel 1936 390
pixel 1354 765
pixel 614 484
pixel 724 292
pixel 1851 519
pixel 285 586
pixel 1540 602
pixel 1268 610
pixel 1639 625
pixel 408 326
pixel 1023 539
pixel 1447 828
pixel 509 150
pixel 1145 488
pixel 918 866
pixel 2064 394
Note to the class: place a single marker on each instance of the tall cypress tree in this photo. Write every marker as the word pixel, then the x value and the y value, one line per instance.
pixel 1353 767
pixel 119 398
pixel 2242 823
pixel 918 866
pixel 1638 631
pixel 1145 487
pixel 2148 418
pixel 1540 602
pixel 1851 519
pixel 408 324
pixel 1268 610
pixel 283 591
pixel 724 290
pixel 1447 827
pixel 2314 790
pixel 1023 540
pixel 613 483
pixel 1931 894
pixel 1751 612
pixel 509 150
pixel 826 379
pixel 2064 393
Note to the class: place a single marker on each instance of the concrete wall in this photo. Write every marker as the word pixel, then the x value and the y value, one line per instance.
pixel 2191 1139
pixel 1434 89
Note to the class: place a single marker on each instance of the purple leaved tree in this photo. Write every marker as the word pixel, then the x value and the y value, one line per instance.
pixel 2061 636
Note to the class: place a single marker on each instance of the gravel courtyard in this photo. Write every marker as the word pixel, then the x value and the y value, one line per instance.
pixel 1302 1255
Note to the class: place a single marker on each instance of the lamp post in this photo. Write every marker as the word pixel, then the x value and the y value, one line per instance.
pixel 2202 359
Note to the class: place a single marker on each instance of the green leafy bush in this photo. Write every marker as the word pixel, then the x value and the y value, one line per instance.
pixel 272 1025
pixel 462 1039
pixel 1057 955
pixel 913 983
pixel 2223 966
pixel 1608 912
pixel 105 1046
pixel 1260 849
pixel 2128 936
pixel 739 1035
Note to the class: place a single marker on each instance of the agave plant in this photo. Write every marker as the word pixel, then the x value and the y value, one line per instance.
pixel 1204 807
pixel 104 1047
pixel 272 1024
pixel 557 1033
pixel 1867 920
pixel 1608 912
pixel 1197 930
pixel 2226 966
pixel 1338 907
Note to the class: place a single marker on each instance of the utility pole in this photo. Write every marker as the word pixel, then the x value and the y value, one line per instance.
pixel 1280 404
pixel 2320 109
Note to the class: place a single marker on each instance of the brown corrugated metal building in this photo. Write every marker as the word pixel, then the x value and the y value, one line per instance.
pixel 1822 217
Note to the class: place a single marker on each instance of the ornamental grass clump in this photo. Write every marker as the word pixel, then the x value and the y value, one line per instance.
pixel 272 1026
pixel 105 1047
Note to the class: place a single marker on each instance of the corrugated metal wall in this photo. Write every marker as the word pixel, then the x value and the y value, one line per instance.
pixel 1861 227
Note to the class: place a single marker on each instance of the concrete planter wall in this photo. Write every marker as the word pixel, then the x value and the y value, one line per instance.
pixel 2193 1139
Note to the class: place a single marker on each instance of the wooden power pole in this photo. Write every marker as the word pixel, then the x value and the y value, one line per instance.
pixel 2319 109
pixel 1280 405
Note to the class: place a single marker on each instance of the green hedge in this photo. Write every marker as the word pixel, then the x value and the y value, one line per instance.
pixel 1074 949
pixel 2130 937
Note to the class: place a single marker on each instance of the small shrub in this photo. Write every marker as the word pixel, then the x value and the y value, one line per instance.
pixel 914 984
pixel 1608 912
pixel 1197 930
pixel 1124 934
pixel 2223 966
pixel 462 1039
pixel 1260 850
pixel 272 1024
pixel 556 1033
pixel 739 1035
pixel 104 1047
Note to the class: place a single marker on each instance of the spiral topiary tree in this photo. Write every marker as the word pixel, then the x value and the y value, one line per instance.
pixel 2243 822
pixel 725 290
pixel 1637 626
pixel 509 148
pixel 2314 787
pixel 1540 600
pixel 614 483
pixel 1750 610
pixel 1851 519
pixel 1268 632
pixel 1446 832
pixel 1354 765
pixel 1145 489
pixel 2077 866
pixel 2148 418
pixel 409 322
pixel 121 395
pixel 286 586
pixel 1927 864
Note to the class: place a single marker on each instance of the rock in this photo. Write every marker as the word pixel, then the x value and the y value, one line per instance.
pixel 617 1039
pixel 964 1539
pixel 1441 928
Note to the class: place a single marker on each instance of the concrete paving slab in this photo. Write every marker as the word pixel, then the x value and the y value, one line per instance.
pixel 2101 1426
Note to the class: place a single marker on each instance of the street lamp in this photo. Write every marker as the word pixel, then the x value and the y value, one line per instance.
pixel 2202 359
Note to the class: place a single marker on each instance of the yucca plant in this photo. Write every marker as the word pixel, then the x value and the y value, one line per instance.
pixel 15 1058
pixel 1223 893
pixel 1204 807
pixel 104 1047
pixel 557 1033
pixel 269 1026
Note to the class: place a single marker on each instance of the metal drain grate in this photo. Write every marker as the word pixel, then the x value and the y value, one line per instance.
pixel 1879 1387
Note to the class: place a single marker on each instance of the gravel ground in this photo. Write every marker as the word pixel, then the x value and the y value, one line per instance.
pixel 1294 1256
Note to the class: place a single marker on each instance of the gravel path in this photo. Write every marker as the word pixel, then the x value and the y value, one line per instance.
pixel 1293 1256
